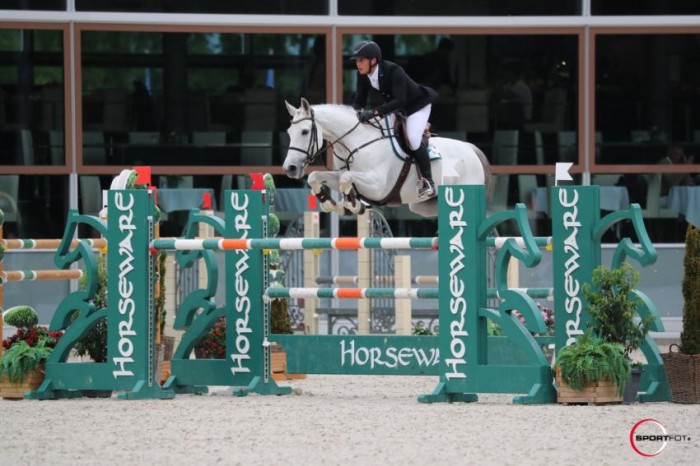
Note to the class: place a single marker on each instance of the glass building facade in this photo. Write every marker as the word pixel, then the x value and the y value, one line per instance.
pixel 197 89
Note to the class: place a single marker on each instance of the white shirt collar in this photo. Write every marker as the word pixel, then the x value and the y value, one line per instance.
pixel 374 77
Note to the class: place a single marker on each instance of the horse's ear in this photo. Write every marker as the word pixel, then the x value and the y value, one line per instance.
pixel 290 108
pixel 305 105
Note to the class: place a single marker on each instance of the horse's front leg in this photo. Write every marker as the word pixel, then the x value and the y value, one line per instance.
pixel 353 182
pixel 321 183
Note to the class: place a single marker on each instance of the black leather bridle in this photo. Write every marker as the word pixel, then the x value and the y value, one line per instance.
pixel 312 153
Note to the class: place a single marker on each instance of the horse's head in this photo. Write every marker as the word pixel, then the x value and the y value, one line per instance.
pixel 305 140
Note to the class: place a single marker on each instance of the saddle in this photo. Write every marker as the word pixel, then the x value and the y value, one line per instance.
pixel 400 132
pixel 401 137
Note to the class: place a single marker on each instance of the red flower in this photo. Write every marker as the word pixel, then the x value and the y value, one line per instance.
pixel 32 336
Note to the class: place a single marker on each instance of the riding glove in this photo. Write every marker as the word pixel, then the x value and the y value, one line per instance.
pixel 366 115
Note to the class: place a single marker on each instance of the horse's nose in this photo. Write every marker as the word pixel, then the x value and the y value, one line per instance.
pixel 291 170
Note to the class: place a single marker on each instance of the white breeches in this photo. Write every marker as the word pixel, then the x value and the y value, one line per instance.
pixel 415 126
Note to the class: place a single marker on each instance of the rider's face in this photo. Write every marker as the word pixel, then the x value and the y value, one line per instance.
pixel 364 65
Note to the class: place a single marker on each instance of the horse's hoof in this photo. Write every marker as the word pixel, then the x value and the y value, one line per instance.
pixel 356 208
pixel 328 206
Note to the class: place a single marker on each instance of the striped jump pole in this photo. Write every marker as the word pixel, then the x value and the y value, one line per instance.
pixel 388 293
pixel 96 243
pixel 39 275
pixel 499 242
pixel 383 279
pixel 352 293
pixel 223 244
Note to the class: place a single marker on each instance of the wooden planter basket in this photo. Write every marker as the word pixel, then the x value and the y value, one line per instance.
pixel 16 390
pixel 683 371
pixel 599 392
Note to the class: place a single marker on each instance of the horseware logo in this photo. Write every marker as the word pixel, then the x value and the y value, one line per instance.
pixel 572 304
pixel 127 306
pixel 353 354
pixel 458 304
pixel 242 302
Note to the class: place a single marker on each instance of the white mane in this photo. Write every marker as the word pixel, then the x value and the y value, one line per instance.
pixel 336 119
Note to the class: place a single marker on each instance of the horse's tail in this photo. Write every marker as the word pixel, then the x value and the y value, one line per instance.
pixel 486 166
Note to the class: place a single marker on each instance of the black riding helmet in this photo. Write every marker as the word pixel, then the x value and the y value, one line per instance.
pixel 366 49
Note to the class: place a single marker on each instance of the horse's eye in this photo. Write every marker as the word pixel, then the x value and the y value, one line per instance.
pixel 305 132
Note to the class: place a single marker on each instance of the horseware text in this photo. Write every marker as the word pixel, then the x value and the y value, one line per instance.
pixel 242 302
pixel 572 304
pixel 458 304
pixel 127 306
pixel 391 357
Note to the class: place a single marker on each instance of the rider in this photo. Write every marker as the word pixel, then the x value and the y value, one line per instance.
pixel 400 92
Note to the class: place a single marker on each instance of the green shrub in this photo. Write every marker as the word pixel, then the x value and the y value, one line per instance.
pixel 690 334
pixel 613 307
pixel 21 317
pixel 94 342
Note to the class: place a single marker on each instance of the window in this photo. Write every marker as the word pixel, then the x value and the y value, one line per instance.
pixel 31 97
pixel 459 8
pixel 306 7
pixel 645 101
pixel 645 7
pixel 515 96
pixel 194 98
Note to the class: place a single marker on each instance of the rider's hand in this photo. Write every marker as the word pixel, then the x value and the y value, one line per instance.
pixel 366 115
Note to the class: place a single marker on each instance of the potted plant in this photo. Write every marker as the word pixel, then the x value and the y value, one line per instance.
pixel 94 342
pixel 22 362
pixel 213 344
pixel 164 344
pixel 683 362
pixel 591 370
pixel 612 306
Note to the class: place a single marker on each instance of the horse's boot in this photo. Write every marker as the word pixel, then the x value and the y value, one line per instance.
pixel 426 185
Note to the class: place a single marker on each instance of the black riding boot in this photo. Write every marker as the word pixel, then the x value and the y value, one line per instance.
pixel 426 185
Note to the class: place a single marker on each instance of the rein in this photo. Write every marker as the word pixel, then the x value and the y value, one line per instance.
pixel 312 153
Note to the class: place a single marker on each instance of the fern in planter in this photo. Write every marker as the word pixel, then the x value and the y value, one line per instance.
pixel 591 359
pixel 21 359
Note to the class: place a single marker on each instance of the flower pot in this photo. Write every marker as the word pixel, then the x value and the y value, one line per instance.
pixel 683 372
pixel 16 390
pixel 278 364
pixel 632 387
pixel 598 392
pixel 168 347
